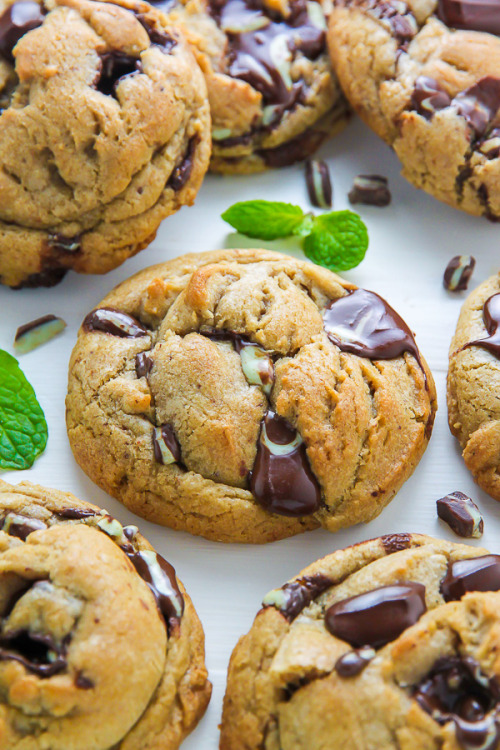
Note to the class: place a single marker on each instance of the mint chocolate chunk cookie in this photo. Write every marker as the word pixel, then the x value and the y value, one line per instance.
pixel 104 131
pixel 474 383
pixel 100 646
pixel 273 95
pixel 386 645
pixel 424 76
pixel 247 396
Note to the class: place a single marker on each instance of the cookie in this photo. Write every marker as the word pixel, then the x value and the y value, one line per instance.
pixel 104 131
pixel 390 644
pixel 100 646
pixel 273 96
pixel 474 384
pixel 425 77
pixel 247 396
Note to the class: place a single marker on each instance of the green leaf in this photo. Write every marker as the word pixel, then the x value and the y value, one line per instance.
pixel 264 220
pixel 338 240
pixel 23 429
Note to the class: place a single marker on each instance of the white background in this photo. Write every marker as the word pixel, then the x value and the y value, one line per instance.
pixel 411 241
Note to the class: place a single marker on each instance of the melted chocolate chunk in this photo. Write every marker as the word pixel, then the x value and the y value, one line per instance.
pixel 363 323
pixel 428 97
pixel 396 542
pixel 143 364
pixel 15 22
pixel 458 272
pixel 394 15
pixel 475 15
pixel 455 690
pixel 161 579
pixel 296 595
pixel 353 662
pixel 75 514
pixel 21 526
pixel 490 145
pixel 64 244
pixel 292 151
pixel 461 514
pixel 479 104
pixel 114 322
pixel 115 66
pixel 261 47
pixel 491 317
pixel 281 479
pixel 475 574
pixel 182 172
pixel 165 445
pixel 37 652
pixel 84 683
pixel 158 36
pixel 47 278
pixel 377 617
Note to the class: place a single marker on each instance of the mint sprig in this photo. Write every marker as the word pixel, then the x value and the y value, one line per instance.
pixel 23 429
pixel 337 240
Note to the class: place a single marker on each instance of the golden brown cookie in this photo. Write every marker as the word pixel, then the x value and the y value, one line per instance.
pixel 392 644
pixel 474 384
pixel 100 646
pixel 273 95
pixel 247 396
pixel 104 131
pixel 424 76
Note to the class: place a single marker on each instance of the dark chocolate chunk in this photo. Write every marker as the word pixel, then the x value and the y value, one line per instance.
pixel 377 617
pixel 165 445
pixel 37 652
pixel 46 278
pixel 474 574
pixel 37 332
pixel 292 151
pixel 281 479
pixel 458 272
pixel 296 595
pixel 370 189
pixel 353 662
pixel 114 322
pixel 461 514
pixel 479 104
pixel 395 16
pixel 363 323
pixel 428 97
pixel 182 172
pixel 318 182
pixel 158 36
pixel 75 513
pixel 21 526
pixel 475 15
pixel 491 317
pixel 115 66
pixel 161 579
pixel 490 145
pixel 143 364
pixel 455 690
pixel 64 244
pixel 82 682
pixel 15 22
pixel 396 542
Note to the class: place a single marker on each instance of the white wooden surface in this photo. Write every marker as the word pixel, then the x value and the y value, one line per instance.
pixel 411 242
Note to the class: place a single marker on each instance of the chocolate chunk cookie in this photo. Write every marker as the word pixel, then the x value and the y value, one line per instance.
pixel 474 384
pixel 247 396
pixel 100 646
pixel 273 95
pixel 104 131
pixel 425 76
pixel 390 644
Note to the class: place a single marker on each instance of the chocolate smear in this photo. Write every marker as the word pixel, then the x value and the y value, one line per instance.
pixel 491 317
pixel 37 652
pixel 474 574
pixel 161 579
pixel 114 322
pixel 378 616
pixel 182 172
pixel 281 479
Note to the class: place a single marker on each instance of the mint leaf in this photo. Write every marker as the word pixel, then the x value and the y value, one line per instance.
pixel 23 429
pixel 338 240
pixel 264 220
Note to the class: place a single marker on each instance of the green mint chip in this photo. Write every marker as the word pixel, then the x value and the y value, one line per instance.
pixel 23 429
pixel 264 220
pixel 338 240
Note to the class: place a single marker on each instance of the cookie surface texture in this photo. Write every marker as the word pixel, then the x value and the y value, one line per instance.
pixel 474 383
pixel 273 95
pixel 100 646
pixel 390 644
pixel 104 132
pixel 424 76
pixel 247 396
